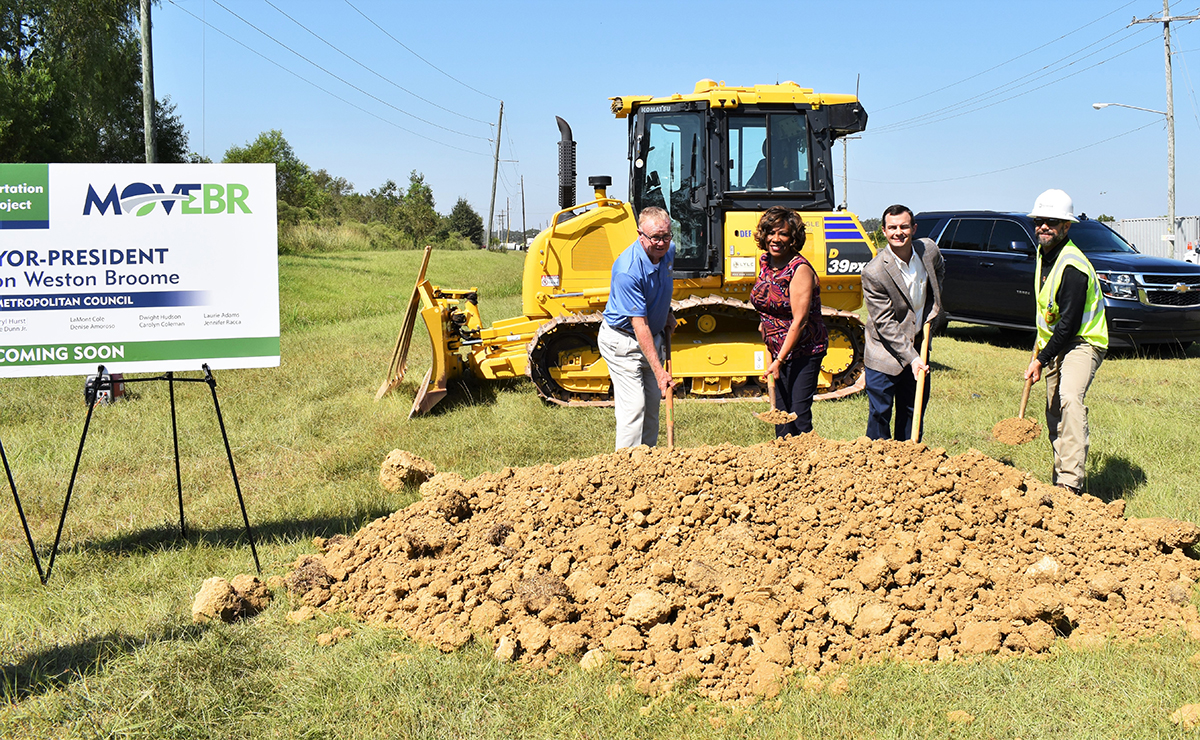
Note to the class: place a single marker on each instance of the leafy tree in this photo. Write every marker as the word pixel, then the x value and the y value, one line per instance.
pixel 466 221
pixel 420 220
pixel 1104 218
pixel 294 182
pixel 71 86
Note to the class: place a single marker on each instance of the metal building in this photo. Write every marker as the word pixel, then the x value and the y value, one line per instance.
pixel 1147 235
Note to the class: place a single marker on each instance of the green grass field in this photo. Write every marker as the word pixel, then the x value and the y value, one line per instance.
pixel 108 648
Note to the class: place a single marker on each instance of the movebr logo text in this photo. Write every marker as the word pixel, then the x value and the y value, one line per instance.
pixel 141 199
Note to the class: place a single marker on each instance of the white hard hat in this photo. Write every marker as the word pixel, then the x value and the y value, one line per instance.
pixel 1054 204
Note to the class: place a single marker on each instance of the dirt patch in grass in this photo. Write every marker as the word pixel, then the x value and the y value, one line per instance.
pixel 1016 431
pixel 737 567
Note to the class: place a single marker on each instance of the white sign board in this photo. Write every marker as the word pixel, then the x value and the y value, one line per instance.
pixel 140 268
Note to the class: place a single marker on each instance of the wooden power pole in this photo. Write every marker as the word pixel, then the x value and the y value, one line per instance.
pixel 487 243
pixel 148 85
pixel 1166 20
pixel 524 243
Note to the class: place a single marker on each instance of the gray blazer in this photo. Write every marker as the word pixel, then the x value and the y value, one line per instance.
pixel 892 325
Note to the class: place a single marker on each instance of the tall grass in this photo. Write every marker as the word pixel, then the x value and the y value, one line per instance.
pixel 324 237
pixel 108 649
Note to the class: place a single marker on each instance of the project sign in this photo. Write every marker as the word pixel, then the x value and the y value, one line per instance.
pixel 141 268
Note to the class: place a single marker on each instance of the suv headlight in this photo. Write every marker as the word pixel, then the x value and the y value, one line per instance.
pixel 1120 285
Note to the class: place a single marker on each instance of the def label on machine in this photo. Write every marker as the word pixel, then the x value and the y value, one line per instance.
pixel 143 268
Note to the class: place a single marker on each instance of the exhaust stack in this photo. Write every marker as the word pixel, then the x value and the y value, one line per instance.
pixel 566 166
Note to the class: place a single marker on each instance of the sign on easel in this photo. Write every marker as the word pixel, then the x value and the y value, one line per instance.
pixel 141 268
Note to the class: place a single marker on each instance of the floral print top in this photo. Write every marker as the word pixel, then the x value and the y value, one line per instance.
pixel 771 298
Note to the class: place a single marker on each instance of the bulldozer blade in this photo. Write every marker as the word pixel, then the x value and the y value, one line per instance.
pixel 399 364
pixel 428 395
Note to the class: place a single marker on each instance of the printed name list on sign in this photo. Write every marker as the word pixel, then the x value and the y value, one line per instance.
pixel 141 268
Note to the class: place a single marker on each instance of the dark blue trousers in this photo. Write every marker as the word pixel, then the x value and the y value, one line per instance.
pixel 885 391
pixel 794 392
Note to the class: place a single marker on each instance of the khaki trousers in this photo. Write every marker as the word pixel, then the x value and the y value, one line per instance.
pixel 635 389
pixel 1068 377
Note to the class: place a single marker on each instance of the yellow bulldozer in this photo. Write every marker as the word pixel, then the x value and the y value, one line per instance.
pixel 715 159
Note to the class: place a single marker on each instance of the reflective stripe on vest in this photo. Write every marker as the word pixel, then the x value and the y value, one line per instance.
pixel 1092 327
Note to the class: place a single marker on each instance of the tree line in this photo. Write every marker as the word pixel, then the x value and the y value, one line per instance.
pixel 71 91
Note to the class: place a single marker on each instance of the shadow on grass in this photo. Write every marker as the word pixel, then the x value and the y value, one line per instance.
pixel 466 393
pixel 1117 478
pixel 60 665
pixel 166 537
pixel 996 336
pixel 1154 352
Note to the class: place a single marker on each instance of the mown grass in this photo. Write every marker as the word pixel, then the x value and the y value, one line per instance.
pixel 108 649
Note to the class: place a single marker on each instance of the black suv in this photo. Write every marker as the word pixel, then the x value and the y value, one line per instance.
pixel 990 263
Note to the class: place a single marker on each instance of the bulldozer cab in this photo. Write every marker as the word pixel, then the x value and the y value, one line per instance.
pixel 722 149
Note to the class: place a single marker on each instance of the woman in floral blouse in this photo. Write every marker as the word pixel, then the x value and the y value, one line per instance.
pixel 788 298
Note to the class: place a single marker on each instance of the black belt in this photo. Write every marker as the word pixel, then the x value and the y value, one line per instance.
pixel 629 333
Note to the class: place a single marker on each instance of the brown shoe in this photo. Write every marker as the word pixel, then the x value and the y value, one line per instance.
pixel 1072 489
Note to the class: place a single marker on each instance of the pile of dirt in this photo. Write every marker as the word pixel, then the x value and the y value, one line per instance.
pixel 741 566
pixel 1016 431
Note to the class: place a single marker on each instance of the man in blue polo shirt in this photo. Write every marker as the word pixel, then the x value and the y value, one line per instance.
pixel 632 334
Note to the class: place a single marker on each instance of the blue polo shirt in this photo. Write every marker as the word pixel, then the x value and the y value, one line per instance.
pixel 640 288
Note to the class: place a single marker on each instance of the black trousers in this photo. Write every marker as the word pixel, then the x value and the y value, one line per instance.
pixel 794 392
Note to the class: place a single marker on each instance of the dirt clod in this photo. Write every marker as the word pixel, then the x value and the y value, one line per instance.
pixel 775 416
pixel 1016 431
pixel 221 601
pixel 402 468
pixel 739 568
pixel 1187 716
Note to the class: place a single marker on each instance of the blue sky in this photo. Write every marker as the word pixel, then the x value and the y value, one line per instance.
pixel 971 104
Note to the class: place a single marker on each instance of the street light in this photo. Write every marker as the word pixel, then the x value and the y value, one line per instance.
pixel 1170 165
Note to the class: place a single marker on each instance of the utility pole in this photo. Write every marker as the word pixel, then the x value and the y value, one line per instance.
pixel 487 242
pixel 1166 21
pixel 148 85
pixel 507 222
pixel 524 243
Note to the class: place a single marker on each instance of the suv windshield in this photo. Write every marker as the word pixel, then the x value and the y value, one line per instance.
pixel 1093 237
pixel 669 173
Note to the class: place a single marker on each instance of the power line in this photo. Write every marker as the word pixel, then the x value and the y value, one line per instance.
pixel 343 80
pixel 1014 167
pixel 928 119
pixel 385 79
pixel 418 56
pixel 1009 61
pixel 322 89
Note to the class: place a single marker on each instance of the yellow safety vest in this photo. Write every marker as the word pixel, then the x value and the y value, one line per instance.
pixel 1093 328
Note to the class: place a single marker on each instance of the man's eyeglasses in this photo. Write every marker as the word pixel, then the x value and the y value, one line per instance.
pixel 1053 223
pixel 656 238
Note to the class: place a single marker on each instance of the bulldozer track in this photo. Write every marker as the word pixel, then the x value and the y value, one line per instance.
pixel 564 333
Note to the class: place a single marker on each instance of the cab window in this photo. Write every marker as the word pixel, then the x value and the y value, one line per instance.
pixel 769 153
pixel 671 176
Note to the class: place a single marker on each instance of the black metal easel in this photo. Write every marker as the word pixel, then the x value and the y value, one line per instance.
pixel 103 381
pixel 20 510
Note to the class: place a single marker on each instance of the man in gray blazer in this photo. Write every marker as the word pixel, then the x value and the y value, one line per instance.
pixel 903 290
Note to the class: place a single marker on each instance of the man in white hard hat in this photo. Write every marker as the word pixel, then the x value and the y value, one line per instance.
pixel 1072 335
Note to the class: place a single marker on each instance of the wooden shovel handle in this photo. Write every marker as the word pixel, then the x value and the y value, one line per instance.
pixel 920 404
pixel 1025 393
pixel 670 398
pixel 771 389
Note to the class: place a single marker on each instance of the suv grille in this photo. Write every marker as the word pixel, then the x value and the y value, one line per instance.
pixel 1171 290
